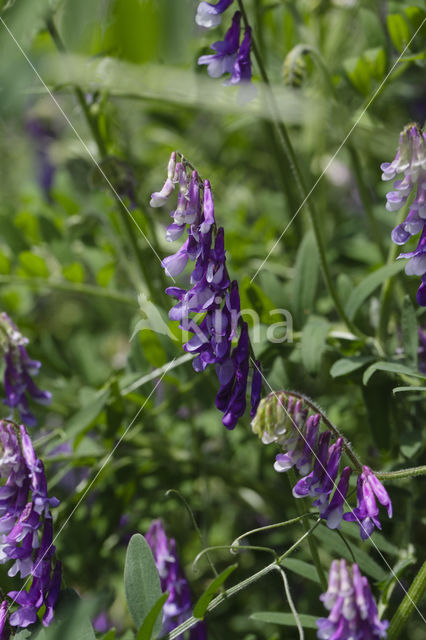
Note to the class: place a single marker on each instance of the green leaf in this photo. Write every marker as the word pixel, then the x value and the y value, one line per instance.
pixel 87 414
pixel 407 389
pixel 141 581
pixel 343 366
pixel 376 59
pixel 390 367
pixel 110 635
pixel 410 334
pixel 314 338
pixel 33 265
pixel 399 30
pixel 369 284
pixel 285 619
pixel 358 72
pixel 305 279
pixel 336 546
pixel 204 601
pixel 105 274
pixel 74 272
pixel 147 628
pixel 301 568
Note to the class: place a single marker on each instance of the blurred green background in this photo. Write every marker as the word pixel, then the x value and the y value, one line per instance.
pixel 72 265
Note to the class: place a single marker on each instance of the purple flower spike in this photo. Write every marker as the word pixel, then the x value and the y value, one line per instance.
pixel 210 293
pixel 210 15
pixel 18 382
pixel 353 611
pixel 410 161
pixel 172 579
pixel 226 51
pixel 365 514
pixel 26 531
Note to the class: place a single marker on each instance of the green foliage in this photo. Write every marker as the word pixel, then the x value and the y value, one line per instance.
pixel 142 585
pixel 80 280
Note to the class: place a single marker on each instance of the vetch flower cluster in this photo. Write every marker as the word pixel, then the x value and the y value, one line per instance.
pixel 284 418
pixel 232 54
pixel 172 579
pixel 26 530
pixel 212 293
pixel 410 161
pixel 19 372
pixel 353 610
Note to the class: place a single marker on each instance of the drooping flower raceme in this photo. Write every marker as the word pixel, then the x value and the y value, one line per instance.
pixel 178 605
pixel 231 56
pixel 353 610
pixel 26 529
pixel 211 295
pixel 19 372
pixel 284 419
pixel 410 163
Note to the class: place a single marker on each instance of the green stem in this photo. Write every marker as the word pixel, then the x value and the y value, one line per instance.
pixel 92 122
pixel 401 473
pixel 409 603
pixel 232 591
pixel 302 504
pixel 290 158
pixel 366 200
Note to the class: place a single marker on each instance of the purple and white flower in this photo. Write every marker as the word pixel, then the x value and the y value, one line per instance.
pixel 19 372
pixel 210 15
pixel 212 294
pixel 172 579
pixel 283 418
pixel 410 161
pixel 26 528
pixel 366 512
pixel 226 50
pixel 353 610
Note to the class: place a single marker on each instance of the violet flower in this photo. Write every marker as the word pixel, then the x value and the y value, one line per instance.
pixel 365 514
pixel 230 56
pixel 353 610
pixel 241 71
pixel 410 161
pixel 210 15
pixel 19 371
pixel 172 579
pixel 284 419
pixel 211 293
pixel 26 530
pixel 226 51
